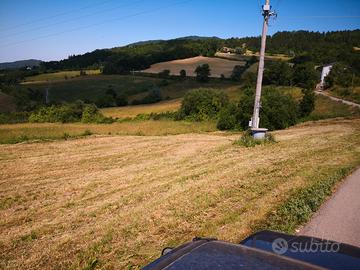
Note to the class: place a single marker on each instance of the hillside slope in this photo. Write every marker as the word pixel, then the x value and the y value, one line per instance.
pixel 122 199
pixel 20 64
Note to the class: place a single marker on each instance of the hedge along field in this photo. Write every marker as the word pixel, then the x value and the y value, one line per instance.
pixel 113 202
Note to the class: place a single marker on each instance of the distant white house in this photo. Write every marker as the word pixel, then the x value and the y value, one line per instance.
pixel 325 72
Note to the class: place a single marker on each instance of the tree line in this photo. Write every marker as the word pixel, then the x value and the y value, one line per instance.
pixel 303 46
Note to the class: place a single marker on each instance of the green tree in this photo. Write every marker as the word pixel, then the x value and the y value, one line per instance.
pixel 305 76
pixel 201 104
pixel 121 100
pixel 278 110
pixel 203 73
pixel 249 79
pixel 307 103
pixel 111 92
pixel 278 73
pixel 164 74
pixel 183 74
pixel 237 72
pixel 227 117
pixel 340 75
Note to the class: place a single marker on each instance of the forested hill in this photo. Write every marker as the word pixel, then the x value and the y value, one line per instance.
pixel 20 64
pixel 316 47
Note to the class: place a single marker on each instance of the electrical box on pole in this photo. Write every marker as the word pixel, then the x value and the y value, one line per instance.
pixel 257 132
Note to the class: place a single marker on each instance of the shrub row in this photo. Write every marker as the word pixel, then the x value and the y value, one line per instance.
pixel 278 110
pixel 74 112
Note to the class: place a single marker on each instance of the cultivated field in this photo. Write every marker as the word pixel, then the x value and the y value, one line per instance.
pixel 94 86
pixel 57 76
pixel 116 201
pixel 218 66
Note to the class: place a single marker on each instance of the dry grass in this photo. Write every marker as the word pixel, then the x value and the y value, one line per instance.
pixel 57 76
pixel 218 66
pixel 327 108
pixel 132 111
pixel 119 200
pixel 13 133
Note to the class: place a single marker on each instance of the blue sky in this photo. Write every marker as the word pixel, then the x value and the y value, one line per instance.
pixel 53 30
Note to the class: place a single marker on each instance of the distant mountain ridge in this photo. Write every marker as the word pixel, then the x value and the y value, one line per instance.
pixel 20 64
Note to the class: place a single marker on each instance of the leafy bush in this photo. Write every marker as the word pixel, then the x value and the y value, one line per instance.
pixel 278 73
pixel 202 104
pixel 341 75
pixel 164 74
pixel 153 96
pixel 105 101
pixel 121 100
pixel 307 104
pixel 249 79
pixel 183 74
pixel 66 113
pixel 248 140
pixel 87 132
pixel 14 117
pixel 278 110
pixel 91 114
pixel 227 117
pixel 305 76
pixel 54 113
pixel 203 73
pixel 237 72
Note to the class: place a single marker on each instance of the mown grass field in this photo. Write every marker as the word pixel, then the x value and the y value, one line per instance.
pixel 115 201
pixel 218 66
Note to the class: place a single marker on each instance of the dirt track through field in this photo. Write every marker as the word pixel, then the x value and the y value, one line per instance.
pixel 121 199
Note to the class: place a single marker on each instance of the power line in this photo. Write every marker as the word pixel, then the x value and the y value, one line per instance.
pixel 55 15
pixel 97 24
pixel 70 20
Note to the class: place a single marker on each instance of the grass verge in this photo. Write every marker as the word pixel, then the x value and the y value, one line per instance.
pixel 302 204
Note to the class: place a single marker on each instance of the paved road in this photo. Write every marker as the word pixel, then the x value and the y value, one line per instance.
pixel 339 218
pixel 337 99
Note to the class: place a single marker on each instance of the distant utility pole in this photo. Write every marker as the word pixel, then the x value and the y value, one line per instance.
pixel 267 13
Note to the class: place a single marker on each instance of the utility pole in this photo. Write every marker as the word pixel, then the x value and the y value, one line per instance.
pixel 267 13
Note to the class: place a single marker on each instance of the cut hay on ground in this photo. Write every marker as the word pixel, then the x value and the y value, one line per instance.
pixel 116 201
